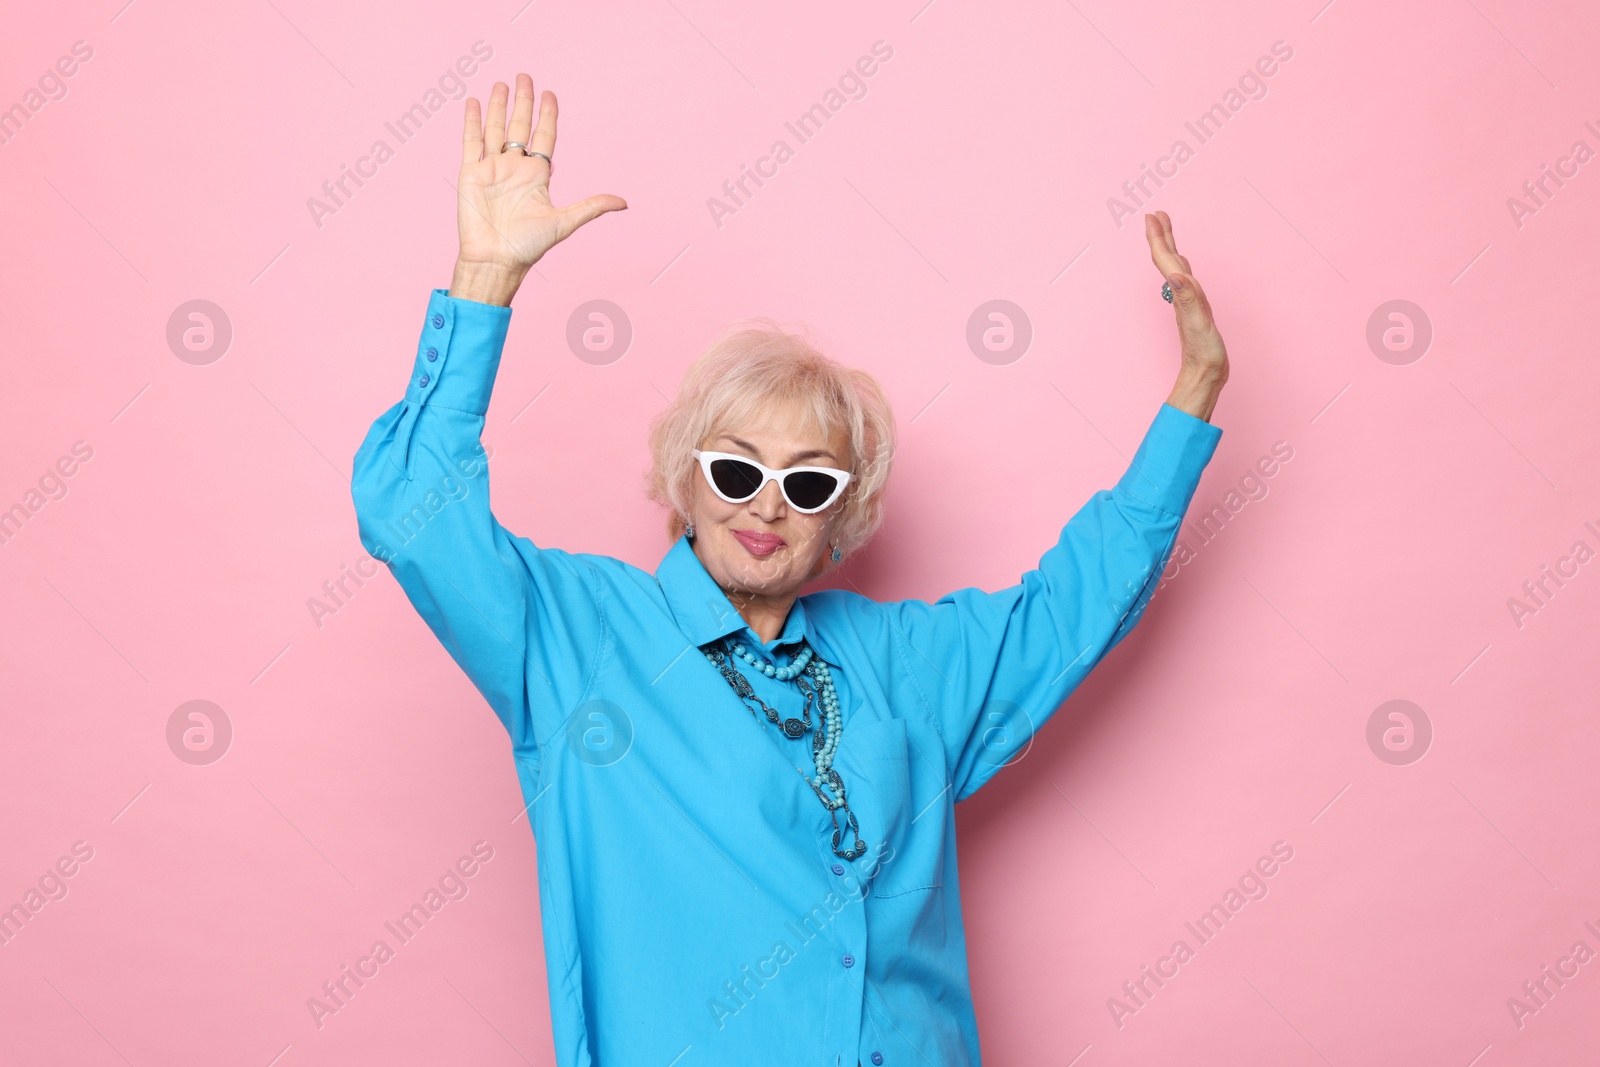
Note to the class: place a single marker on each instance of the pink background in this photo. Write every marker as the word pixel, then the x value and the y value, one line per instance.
pixel 179 564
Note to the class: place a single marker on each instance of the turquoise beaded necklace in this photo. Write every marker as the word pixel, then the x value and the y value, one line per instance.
pixel 810 672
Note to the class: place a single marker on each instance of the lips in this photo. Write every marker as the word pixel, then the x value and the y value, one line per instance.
pixel 758 544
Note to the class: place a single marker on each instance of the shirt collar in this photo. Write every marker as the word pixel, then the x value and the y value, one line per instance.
pixel 704 612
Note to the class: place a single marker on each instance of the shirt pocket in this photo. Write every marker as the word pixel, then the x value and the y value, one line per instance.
pixel 904 830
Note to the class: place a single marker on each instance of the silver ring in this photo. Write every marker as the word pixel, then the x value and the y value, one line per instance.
pixel 526 152
pixel 1166 291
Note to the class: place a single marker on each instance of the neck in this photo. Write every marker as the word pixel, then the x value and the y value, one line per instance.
pixel 765 615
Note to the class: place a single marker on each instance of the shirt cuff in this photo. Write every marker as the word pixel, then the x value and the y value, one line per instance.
pixel 458 354
pixel 1166 469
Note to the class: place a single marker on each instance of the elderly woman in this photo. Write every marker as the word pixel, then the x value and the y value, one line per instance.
pixel 743 798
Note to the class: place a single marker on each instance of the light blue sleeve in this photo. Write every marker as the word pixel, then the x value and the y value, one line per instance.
pixel 523 622
pixel 994 667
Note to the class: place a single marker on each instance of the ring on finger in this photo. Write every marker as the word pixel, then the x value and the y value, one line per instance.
pixel 526 152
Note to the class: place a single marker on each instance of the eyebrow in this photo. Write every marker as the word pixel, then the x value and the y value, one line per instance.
pixel 813 453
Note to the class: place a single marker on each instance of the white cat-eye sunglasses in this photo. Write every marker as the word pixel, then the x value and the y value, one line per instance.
pixel 739 478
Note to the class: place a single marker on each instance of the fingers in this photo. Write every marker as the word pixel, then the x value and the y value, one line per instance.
pixel 1163 248
pixel 544 137
pixel 1161 253
pixel 1202 345
pixel 575 215
pixel 522 112
pixel 472 134
pixel 494 129
pixel 1171 242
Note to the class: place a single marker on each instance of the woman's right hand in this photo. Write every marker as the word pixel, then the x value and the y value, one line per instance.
pixel 503 206
pixel 1203 364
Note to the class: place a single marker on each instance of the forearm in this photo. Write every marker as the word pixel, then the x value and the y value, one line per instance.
pixel 487 283
pixel 1012 657
pixel 1196 391
pixel 437 424
pixel 420 485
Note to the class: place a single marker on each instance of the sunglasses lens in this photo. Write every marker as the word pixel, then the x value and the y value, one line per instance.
pixel 735 479
pixel 809 489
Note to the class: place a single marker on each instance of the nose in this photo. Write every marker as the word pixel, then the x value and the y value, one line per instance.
pixel 769 504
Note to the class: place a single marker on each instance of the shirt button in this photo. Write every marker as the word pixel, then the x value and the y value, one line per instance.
pixel 838 868
pixel 423 381
pixel 438 322
pixel 849 960
pixel 877 1058
pixel 433 354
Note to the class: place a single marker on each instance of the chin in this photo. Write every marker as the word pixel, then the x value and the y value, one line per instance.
pixel 758 577
pixel 769 576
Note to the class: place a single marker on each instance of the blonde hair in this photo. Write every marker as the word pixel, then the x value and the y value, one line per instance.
pixel 755 361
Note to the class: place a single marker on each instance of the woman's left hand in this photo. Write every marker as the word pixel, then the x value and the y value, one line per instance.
pixel 1204 367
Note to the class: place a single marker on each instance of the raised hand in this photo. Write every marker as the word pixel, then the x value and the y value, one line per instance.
pixel 503 207
pixel 1204 362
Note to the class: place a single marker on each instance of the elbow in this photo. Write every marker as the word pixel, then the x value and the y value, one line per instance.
pixel 370 515
pixel 376 526
pixel 365 492
pixel 374 489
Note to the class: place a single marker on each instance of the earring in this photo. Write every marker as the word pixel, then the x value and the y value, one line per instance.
pixel 688 530
pixel 835 556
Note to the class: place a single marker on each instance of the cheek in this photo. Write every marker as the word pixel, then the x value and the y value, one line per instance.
pixel 705 504
pixel 811 535
pixel 710 512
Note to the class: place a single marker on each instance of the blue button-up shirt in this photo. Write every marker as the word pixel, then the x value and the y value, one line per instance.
pixel 694 910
